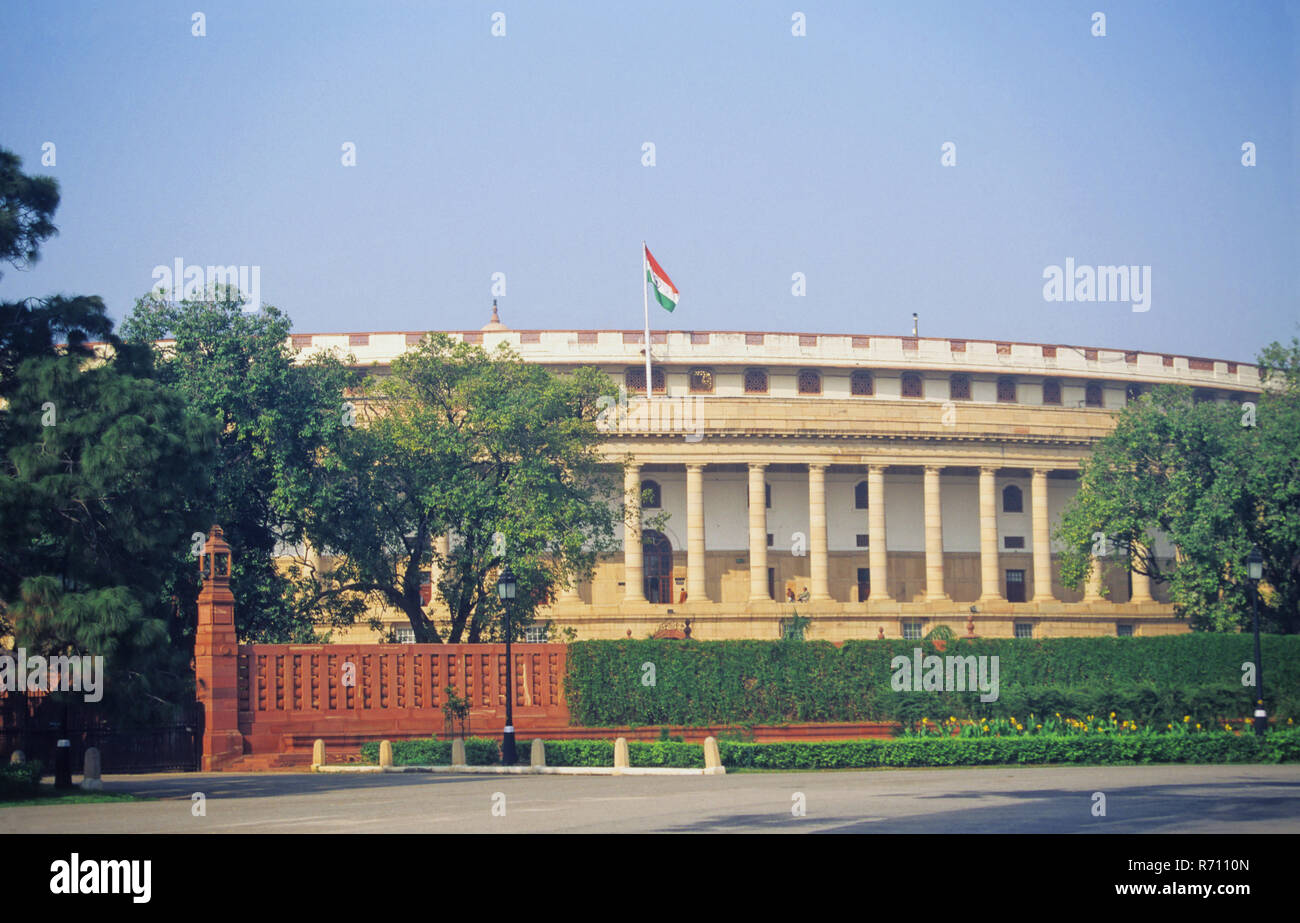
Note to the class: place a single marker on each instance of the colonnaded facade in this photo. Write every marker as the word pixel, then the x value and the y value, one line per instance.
pixel 876 485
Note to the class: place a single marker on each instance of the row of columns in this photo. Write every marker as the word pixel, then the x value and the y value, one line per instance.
pixel 877 549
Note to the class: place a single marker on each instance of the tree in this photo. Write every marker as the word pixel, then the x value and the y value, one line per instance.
pixel 1214 479
pixel 500 453
pixel 93 494
pixel 273 417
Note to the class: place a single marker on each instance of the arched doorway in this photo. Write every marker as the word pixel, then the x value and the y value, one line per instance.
pixel 657 561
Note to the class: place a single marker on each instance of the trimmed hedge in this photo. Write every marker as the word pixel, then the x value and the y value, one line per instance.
pixel 482 751
pixel 1099 749
pixel 20 781
pixel 1083 749
pixel 1152 680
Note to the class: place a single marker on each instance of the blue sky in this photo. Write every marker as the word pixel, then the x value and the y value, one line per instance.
pixel 775 154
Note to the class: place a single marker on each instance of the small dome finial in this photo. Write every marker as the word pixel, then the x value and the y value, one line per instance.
pixel 495 322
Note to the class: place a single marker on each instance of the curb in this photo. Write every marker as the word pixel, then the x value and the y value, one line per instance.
pixel 531 770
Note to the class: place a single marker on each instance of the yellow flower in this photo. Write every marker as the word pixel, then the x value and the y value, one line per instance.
pixel 1186 718
pixel 1170 726
pixel 1112 714
pixel 1198 726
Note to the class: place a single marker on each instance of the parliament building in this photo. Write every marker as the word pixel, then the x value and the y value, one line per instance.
pixel 879 486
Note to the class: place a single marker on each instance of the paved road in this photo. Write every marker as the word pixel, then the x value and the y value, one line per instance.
pixel 1139 799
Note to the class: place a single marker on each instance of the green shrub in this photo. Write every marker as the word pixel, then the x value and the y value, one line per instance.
pixel 20 781
pixel 1151 680
pixel 1099 749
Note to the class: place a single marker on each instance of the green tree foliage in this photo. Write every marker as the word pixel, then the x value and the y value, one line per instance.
pixel 96 461
pixel 1215 479
pixel 272 417
pixel 500 453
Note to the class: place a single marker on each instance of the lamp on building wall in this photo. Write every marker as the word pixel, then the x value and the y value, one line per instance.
pixel 1254 572
pixel 506 587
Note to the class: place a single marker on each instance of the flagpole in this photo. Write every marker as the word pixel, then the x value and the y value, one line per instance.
pixel 645 297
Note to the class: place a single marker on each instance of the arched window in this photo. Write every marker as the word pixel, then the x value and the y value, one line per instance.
pixel 959 388
pixel 809 382
pixel 912 386
pixel 755 381
pixel 1013 500
pixel 701 381
pixel 657 567
pixel 860 496
pixel 1007 390
pixel 1092 395
pixel 651 495
pixel 1051 391
pixel 860 383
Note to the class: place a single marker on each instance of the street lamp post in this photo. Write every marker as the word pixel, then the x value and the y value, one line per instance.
pixel 1254 571
pixel 506 586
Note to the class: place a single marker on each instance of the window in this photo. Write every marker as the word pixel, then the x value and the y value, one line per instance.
pixel 755 381
pixel 861 496
pixel 860 384
pixel 863 540
pixel 1014 542
pixel 426 588
pixel 1092 395
pixel 864 583
pixel 810 382
pixel 651 495
pixel 1123 631
pixel 1201 396
pixel 1013 501
pixel 1024 630
pixel 1132 392
pixel 404 635
pixel 959 388
pixel 701 381
pixel 911 631
pixel 1051 391
pixel 912 386
pixel 634 380
pixel 1016 590
pixel 1007 390
pixel 535 634
pixel 767 495
pixel 771 540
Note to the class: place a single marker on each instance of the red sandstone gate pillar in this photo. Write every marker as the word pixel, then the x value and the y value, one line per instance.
pixel 216 657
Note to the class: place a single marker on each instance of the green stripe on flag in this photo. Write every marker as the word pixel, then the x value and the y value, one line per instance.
pixel 664 301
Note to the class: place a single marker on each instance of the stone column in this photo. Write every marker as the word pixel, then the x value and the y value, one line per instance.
pixel 1141 589
pixel 877 550
pixel 757 532
pixel 818 565
pixel 633 573
pixel 695 534
pixel 988 535
pixel 1042 539
pixel 1092 588
pixel 933 536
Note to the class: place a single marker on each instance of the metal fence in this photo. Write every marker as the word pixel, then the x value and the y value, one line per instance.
pixel 37 727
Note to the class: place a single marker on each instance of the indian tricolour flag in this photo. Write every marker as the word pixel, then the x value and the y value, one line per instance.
pixel 665 292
